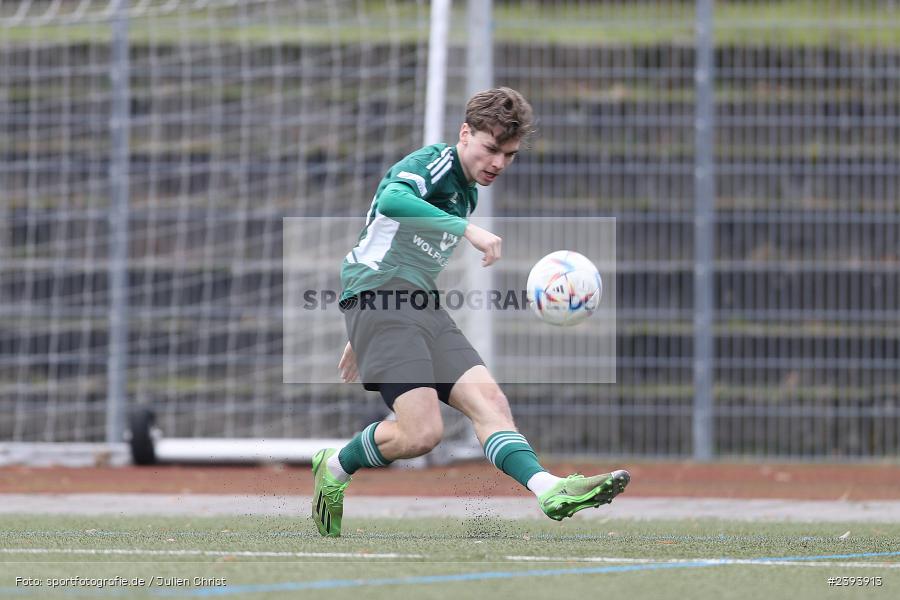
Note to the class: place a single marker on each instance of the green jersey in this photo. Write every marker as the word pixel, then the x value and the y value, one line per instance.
pixel 417 218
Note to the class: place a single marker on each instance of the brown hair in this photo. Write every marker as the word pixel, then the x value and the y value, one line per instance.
pixel 501 108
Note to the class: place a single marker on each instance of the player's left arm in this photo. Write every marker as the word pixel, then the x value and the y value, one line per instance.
pixel 347 365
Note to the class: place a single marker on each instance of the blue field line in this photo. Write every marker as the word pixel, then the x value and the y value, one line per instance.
pixel 824 557
pixel 427 579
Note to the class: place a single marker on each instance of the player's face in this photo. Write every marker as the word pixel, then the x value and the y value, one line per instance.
pixel 482 158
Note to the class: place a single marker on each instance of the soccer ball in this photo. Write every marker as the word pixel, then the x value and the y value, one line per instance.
pixel 564 288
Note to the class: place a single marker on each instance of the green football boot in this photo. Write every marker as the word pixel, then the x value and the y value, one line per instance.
pixel 328 496
pixel 577 492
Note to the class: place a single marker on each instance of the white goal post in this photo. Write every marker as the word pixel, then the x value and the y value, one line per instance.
pixel 237 115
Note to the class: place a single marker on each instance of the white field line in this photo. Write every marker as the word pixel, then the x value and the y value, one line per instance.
pixel 600 559
pixel 594 559
pixel 812 563
pixel 246 553
pixel 711 561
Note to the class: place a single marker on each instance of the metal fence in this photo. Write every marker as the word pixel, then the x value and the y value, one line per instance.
pixel 767 187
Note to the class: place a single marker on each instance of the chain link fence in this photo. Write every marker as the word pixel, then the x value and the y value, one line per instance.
pixel 241 114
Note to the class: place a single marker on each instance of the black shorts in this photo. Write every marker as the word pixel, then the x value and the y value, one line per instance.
pixel 403 343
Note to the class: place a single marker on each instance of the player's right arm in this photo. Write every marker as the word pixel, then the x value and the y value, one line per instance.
pixel 485 241
pixel 406 197
pixel 398 201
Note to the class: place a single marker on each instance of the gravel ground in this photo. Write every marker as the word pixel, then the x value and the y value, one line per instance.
pixel 398 506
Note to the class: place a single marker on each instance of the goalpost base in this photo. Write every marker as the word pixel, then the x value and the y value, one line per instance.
pixel 149 446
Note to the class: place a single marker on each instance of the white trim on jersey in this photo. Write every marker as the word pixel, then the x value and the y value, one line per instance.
pixel 418 179
pixel 440 164
pixel 441 167
pixel 371 213
pixel 438 159
pixel 436 177
pixel 379 236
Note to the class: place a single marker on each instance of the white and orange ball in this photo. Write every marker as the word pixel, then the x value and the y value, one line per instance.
pixel 564 288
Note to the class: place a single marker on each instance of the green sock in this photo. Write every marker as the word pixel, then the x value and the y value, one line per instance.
pixel 510 452
pixel 362 451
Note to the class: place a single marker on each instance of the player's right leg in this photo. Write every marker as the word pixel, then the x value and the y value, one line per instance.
pixel 416 431
pixel 577 492
pixel 478 396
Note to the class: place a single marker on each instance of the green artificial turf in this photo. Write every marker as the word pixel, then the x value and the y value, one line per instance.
pixel 479 557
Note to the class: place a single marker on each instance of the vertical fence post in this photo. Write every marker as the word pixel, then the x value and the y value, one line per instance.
pixel 477 324
pixel 436 88
pixel 117 360
pixel 704 233
pixel 480 74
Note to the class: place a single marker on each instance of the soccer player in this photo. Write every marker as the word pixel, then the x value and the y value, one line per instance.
pixel 418 357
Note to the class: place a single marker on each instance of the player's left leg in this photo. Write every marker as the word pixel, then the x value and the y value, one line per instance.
pixel 416 431
pixel 393 359
pixel 478 396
